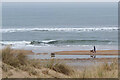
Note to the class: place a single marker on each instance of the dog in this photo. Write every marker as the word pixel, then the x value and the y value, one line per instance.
pixel 93 56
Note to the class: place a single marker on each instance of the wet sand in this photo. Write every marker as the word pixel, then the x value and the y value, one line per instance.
pixel 87 52
pixel 83 59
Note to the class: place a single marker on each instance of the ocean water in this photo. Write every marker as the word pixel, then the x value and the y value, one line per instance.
pixel 50 27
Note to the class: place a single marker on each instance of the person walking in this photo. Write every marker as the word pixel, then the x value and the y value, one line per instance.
pixel 94 49
pixel 94 52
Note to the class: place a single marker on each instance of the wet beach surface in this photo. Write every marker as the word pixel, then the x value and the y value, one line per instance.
pixel 70 56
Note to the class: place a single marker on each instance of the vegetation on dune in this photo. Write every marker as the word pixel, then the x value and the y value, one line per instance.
pixel 17 61
pixel 103 70
pixel 59 67
pixel 13 59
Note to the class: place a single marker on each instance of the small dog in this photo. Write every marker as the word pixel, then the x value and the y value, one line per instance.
pixel 93 56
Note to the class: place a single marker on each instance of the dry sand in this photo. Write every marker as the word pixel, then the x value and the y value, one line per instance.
pixel 87 52
pixel 81 52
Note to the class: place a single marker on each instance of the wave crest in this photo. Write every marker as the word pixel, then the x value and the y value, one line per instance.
pixel 67 41
pixel 10 30
pixel 53 42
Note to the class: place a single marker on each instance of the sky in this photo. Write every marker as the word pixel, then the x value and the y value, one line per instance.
pixel 60 0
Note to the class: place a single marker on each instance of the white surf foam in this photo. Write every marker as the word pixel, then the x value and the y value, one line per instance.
pixel 10 30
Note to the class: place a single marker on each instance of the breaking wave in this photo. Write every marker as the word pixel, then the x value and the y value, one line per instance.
pixel 53 42
pixel 10 30
pixel 68 41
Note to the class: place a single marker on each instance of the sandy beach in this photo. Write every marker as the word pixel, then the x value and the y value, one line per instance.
pixel 87 52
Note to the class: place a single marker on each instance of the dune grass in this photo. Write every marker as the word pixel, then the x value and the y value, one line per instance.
pixel 59 67
pixel 103 70
pixel 13 59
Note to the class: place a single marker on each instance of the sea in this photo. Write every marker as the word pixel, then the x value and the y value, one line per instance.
pixel 46 27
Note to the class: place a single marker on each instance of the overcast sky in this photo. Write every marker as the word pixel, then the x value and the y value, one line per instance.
pixel 60 0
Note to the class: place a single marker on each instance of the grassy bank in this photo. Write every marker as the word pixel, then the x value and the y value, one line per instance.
pixel 17 65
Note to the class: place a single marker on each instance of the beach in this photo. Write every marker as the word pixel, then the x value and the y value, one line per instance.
pixel 31 32
pixel 87 52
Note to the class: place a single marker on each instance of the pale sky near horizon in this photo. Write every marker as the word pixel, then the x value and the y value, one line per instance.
pixel 60 0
